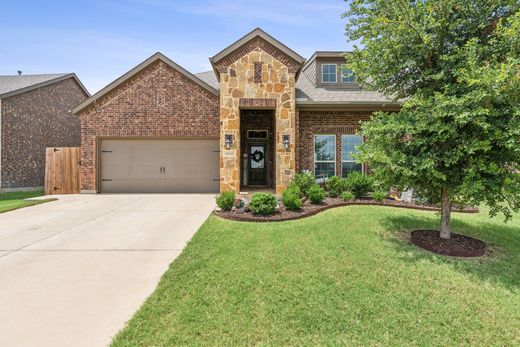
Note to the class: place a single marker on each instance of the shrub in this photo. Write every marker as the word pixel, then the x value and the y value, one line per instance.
pixel 225 200
pixel 347 196
pixel 336 186
pixel 304 180
pixel 263 203
pixel 316 194
pixel 291 197
pixel 359 184
pixel 379 195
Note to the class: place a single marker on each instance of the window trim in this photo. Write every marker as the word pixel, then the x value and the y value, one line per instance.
pixel 324 161
pixel 341 76
pixel 336 74
pixel 350 161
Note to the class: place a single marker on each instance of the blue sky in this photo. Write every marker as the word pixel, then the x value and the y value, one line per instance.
pixel 101 40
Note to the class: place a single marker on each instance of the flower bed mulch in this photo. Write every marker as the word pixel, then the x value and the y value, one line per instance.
pixel 457 246
pixel 309 209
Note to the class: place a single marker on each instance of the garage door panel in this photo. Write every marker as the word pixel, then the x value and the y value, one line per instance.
pixel 134 166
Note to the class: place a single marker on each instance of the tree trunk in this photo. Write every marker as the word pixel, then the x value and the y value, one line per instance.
pixel 445 214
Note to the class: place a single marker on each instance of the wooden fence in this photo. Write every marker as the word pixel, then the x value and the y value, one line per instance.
pixel 62 170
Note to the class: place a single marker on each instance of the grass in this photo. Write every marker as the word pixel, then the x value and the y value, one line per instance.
pixel 15 200
pixel 347 276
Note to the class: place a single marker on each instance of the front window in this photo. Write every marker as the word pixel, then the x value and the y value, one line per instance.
pixel 328 73
pixel 349 144
pixel 325 155
pixel 347 76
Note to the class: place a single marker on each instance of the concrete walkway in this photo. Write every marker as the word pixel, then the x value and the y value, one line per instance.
pixel 73 271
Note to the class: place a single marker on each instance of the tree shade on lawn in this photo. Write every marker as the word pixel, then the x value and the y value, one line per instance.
pixel 455 64
pixel 348 276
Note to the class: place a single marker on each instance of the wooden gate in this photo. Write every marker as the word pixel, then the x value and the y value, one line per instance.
pixel 62 170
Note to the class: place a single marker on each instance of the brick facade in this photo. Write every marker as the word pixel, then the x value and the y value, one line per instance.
pixel 33 121
pixel 312 123
pixel 157 102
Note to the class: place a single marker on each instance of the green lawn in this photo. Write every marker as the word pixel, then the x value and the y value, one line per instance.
pixel 347 276
pixel 15 200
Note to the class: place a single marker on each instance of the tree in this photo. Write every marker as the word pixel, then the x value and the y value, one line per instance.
pixel 456 66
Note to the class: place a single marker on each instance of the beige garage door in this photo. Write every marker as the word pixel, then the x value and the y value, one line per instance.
pixel 160 166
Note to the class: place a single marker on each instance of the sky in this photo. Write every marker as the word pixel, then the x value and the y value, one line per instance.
pixel 101 40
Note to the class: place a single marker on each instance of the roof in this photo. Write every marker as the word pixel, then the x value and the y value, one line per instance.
pixel 309 95
pixel 136 70
pixel 17 84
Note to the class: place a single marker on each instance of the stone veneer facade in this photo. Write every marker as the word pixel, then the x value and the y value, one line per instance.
pixel 276 88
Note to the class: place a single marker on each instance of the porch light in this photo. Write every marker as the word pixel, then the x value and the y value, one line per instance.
pixel 286 141
pixel 228 140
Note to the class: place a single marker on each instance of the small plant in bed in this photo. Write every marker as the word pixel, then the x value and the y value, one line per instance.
pixel 379 195
pixel 263 204
pixel 347 196
pixel 225 200
pixel 291 197
pixel 359 184
pixel 336 186
pixel 316 194
pixel 304 180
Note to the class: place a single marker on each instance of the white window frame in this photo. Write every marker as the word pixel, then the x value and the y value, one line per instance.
pixel 336 74
pixel 350 161
pixel 342 69
pixel 324 161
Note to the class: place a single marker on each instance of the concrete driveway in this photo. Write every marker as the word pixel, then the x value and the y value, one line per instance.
pixel 73 271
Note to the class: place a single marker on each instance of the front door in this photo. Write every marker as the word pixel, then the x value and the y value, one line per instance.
pixel 257 164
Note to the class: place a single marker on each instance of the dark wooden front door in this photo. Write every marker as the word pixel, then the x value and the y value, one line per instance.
pixel 257 164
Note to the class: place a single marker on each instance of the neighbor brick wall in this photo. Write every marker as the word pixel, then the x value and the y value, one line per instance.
pixel 312 123
pixel 33 121
pixel 159 101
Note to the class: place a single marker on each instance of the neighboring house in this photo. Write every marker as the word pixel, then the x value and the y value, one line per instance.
pixel 262 114
pixel 35 113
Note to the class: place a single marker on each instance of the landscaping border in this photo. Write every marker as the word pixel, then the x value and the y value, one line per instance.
pixel 278 217
pixel 443 247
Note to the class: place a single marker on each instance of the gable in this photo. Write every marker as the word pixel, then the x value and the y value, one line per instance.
pixel 255 40
pixel 146 68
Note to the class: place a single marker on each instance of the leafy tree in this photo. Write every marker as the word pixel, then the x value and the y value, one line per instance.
pixel 456 66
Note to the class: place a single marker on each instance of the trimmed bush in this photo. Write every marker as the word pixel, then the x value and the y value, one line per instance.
pixel 379 195
pixel 291 197
pixel 336 186
pixel 347 196
pixel 359 184
pixel 304 181
pixel 316 194
pixel 263 203
pixel 225 200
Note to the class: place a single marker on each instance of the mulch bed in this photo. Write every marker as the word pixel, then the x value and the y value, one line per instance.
pixel 457 246
pixel 309 209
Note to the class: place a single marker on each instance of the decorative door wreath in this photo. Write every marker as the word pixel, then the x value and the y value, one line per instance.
pixel 257 156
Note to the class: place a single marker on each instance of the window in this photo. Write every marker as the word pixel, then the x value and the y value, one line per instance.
pixel 348 149
pixel 257 134
pixel 347 76
pixel 328 73
pixel 325 155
